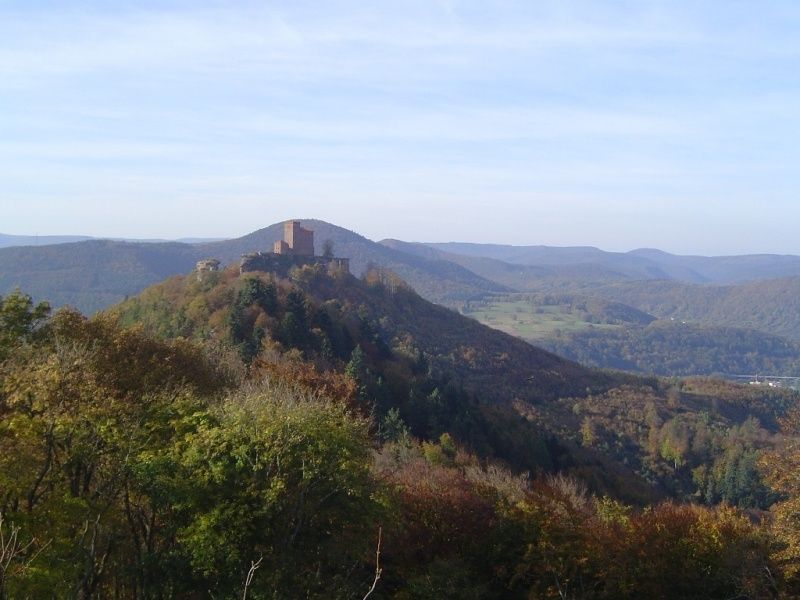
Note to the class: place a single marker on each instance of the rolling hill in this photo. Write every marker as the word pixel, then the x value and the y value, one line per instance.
pixel 436 279
pixel 523 404
pixel 602 333
pixel 770 306
pixel 678 349
pixel 7 240
pixel 666 286
pixel 639 264
pixel 515 276
pixel 93 274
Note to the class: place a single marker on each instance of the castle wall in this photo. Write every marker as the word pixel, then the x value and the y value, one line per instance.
pixel 269 262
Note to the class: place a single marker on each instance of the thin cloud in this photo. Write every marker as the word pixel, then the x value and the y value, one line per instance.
pixel 418 103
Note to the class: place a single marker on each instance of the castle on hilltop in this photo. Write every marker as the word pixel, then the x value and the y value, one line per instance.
pixel 297 241
pixel 295 249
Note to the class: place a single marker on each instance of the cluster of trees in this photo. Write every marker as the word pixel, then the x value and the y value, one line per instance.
pixel 721 459
pixel 137 468
pixel 678 349
pixel 276 437
pixel 697 440
pixel 428 363
pixel 472 531
pixel 767 305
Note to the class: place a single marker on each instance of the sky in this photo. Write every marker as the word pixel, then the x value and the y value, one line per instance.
pixel 672 124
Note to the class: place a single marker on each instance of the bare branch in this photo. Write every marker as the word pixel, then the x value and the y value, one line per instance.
pixel 378 569
pixel 253 568
pixel 15 555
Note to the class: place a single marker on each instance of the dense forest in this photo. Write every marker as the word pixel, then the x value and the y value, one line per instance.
pixel 675 348
pixel 770 306
pixel 312 435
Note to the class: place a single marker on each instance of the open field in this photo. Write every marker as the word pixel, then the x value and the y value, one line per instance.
pixel 530 320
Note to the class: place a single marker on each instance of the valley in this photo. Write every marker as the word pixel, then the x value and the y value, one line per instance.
pixel 444 300
pixel 595 307
pixel 210 386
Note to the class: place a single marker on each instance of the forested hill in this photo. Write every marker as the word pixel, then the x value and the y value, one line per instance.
pixel 444 372
pixel 672 348
pixel 441 372
pixel 289 449
pixel 493 365
pixel 771 306
pixel 94 274
pixel 437 280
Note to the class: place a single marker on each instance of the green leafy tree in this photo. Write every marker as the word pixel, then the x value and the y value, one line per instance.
pixel 277 475
pixel 20 320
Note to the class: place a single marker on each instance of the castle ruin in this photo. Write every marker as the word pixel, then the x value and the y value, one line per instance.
pixel 297 241
pixel 207 265
pixel 295 249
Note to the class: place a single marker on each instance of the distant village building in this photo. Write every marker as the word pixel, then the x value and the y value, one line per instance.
pixel 295 249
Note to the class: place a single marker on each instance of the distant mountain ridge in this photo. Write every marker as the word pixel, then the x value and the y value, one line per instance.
pixel 9 241
pixel 516 276
pixel 93 274
pixel 639 264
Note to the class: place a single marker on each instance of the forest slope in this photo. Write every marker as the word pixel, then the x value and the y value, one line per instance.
pixel 134 467
pixel 493 365
pixel 91 275
pixel 771 306
pixel 679 349
pixel 610 335
pixel 569 408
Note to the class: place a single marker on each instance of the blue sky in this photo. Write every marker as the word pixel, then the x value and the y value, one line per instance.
pixel 671 124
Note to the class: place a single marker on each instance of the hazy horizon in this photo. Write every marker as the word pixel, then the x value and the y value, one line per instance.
pixel 623 125
pixel 198 239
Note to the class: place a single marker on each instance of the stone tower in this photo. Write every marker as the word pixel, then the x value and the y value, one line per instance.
pixel 296 240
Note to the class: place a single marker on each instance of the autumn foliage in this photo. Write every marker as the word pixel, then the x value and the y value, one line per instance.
pixel 285 431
